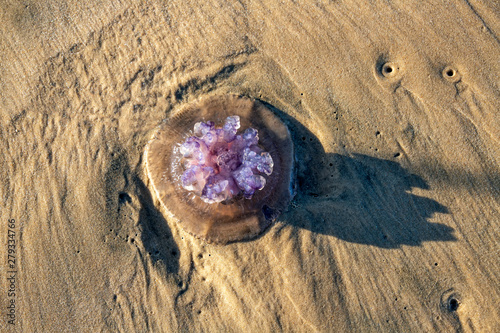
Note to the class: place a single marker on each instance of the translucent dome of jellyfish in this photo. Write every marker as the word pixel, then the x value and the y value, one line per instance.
pixel 222 167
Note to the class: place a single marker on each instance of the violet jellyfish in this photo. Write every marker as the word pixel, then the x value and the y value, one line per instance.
pixel 222 167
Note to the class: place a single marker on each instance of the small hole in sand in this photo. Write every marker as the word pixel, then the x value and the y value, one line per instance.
pixel 377 133
pixel 435 264
pixel 451 74
pixel 397 155
pixel 389 69
pixel 453 304
pixel 123 198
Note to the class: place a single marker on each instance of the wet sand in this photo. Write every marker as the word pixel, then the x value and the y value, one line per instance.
pixel 393 111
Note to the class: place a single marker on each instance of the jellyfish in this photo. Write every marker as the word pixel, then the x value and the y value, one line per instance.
pixel 222 167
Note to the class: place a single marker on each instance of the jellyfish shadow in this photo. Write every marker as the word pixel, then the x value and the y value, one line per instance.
pixel 156 235
pixel 359 198
pixel 157 241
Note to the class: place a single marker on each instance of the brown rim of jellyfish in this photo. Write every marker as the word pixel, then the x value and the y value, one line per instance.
pixel 241 219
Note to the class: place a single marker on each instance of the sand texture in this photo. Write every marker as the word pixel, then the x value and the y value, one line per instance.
pixel 393 108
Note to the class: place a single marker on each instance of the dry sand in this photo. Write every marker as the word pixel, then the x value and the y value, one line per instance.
pixel 395 225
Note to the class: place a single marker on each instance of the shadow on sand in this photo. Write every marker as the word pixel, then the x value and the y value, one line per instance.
pixel 359 198
pixel 155 234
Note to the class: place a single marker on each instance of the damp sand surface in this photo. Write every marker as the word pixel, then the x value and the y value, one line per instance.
pixel 393 112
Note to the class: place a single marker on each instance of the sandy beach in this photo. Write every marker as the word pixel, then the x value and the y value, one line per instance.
pixel 393 110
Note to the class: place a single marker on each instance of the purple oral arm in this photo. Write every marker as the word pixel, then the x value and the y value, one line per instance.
pixel 220 164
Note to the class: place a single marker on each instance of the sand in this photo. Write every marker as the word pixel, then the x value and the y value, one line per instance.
pixel 393 110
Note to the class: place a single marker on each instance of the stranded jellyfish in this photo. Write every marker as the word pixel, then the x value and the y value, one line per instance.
pixel 222 167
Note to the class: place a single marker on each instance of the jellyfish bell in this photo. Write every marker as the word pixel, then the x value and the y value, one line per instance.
pixel 222 167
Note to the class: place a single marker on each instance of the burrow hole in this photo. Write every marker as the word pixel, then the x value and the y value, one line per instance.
pixel 453 304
